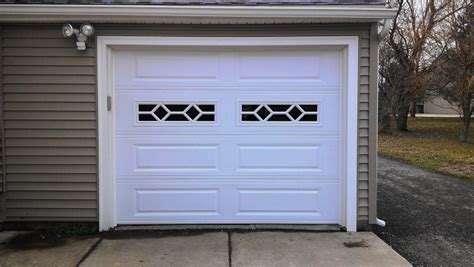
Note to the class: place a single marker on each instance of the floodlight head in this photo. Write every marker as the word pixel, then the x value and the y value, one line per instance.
pixel 68 30
pixel 87 29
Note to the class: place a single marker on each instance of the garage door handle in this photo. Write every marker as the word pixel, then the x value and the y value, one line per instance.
pixel 109 103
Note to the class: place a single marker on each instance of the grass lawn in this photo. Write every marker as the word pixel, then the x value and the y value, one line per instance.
pixel 432 143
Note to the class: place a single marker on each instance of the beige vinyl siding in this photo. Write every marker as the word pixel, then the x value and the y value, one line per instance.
pixel 50 127
pixel 364 115
pixel 50 113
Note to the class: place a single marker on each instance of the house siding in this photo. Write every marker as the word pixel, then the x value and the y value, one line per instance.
pixel 50 127
pixel 51 119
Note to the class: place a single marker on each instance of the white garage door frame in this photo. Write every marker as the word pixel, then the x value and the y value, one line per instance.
pixel 106 115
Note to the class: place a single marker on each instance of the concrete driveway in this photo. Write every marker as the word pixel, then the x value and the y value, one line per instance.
pixel 211 248
pixel 430 217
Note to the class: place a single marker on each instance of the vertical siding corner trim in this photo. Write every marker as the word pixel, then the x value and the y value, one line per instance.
pixel 2 136
pixel 373 123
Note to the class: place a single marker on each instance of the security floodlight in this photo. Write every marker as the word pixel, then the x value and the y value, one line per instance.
pixel 68 30
pixel 87 29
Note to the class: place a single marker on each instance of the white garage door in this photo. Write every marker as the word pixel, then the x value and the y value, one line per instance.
pixel 228 135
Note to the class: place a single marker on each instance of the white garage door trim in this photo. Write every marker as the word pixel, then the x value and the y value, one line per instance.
pixel 106 117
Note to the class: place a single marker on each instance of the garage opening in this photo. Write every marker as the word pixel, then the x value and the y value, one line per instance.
pixel 228 130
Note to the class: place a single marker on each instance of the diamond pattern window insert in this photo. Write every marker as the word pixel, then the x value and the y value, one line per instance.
pixel 296 113
pixel 176 112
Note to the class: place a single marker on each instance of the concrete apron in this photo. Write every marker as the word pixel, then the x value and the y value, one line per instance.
pixel 245 248
pixel 66 252
pixel 205 248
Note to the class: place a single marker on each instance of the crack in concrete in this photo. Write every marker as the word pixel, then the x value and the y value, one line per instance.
pixel 229 247
pixel 89 251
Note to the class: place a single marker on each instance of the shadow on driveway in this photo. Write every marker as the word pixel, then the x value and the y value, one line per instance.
pixel 430 217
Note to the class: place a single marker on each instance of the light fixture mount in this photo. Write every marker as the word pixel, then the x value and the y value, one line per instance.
pixel 86 30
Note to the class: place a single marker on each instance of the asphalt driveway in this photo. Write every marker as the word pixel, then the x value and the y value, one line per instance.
pixel 430 217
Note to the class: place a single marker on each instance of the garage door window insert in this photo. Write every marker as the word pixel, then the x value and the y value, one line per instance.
pixel 299 113
pixel 176 112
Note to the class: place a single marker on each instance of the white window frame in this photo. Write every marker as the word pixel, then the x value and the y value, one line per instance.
pixel 349 105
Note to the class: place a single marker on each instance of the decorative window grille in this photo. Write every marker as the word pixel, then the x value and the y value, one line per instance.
pixel 173 112
pixel 296 113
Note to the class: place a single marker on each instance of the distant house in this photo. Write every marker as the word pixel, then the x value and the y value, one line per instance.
pixel 439 106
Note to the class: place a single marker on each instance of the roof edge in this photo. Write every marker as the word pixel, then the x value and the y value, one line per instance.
pixel 193 14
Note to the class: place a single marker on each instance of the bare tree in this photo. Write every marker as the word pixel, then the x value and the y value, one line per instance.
pixel 455 65
pixel 391 78
pixel 405 71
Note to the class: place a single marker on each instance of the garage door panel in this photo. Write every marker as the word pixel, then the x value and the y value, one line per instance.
pixel 318 157
pixel 152 202
pixel 228 111
pixel 275 87
pixel 128 110
pixel 187 65
pixel 266 157
pixel 190 67
pixel 285 66
pixel 305 202
pixel 177 67
pixel 187 156
pixel 223 156
pixel 226 203
pixel 179 201
pixel 157 156
pixel 325 108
